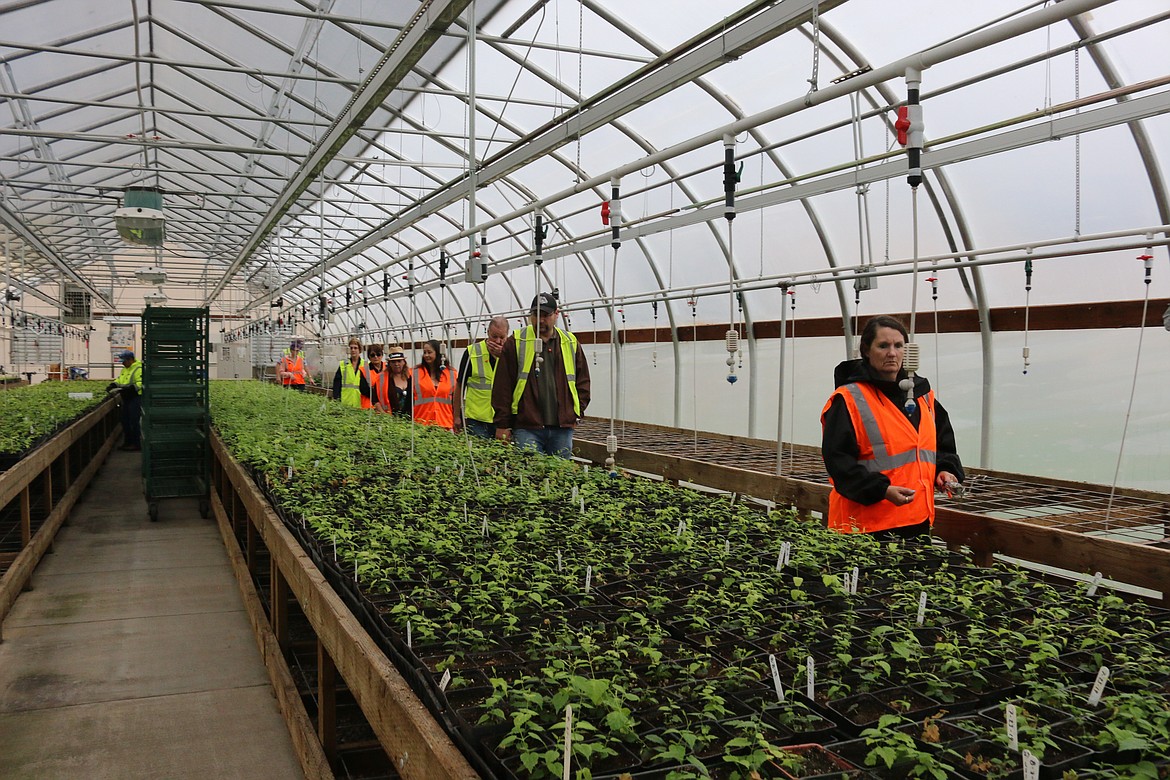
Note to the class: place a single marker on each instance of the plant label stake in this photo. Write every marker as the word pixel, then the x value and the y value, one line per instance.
pixel 808 669
pixel 786 551
pixel 437 469
pixel 921 607
pixel 682 526
pixel 560 563
pixel 582 504
pixel 727 547
pixel 586 468
pixel 485 528
pixel 1013 732
pixel 733 497
pixel 588 577
pixel 465 512
pixel 574 493
pixel 1098 686
pixel 409 639
pixel 445 680
pixel 290 465
pixel 780 560
pixel 460 472
pixel 1094 583
pixel 776 678
pixel 1031 765
pixel 568 739
pixel 546 486
pixel 853 581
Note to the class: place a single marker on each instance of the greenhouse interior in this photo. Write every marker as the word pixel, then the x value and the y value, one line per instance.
pixel 354 427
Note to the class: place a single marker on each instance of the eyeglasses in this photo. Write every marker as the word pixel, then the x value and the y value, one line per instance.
pixel 375 354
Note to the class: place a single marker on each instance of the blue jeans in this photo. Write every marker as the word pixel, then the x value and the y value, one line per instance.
pixel 480 429
pixel 548 440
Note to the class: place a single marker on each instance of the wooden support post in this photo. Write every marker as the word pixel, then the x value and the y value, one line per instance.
pixel 47 484
pixel 326 702
pixel 25 517
pixel 250 550
pixel 67 475
pixel 279 607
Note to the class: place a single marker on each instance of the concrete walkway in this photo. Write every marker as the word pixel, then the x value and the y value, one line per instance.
pixel 132 656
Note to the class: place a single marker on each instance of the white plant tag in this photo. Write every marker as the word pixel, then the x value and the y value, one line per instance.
pixel 437 469
pixel 845 582
pixel 290 465
pixel 588 578
pixel 733 497
pixel 409 640
pixel 445 680
pixel 786 551
pixel 1098 686
pixel 560 563
pixel 682 526
pixel 568 740
pixel 810 684
pixel 546 486
pixel 460 471
pixel 853 581
pixel 921 607
pixel 776 678
pixel 574 492
pixel 465 512
pixel 586 468
pixel 727 547
pixel 582 504
pixel 1031 765
pixel 485 527
pixel 1094 584
pixel 1013 732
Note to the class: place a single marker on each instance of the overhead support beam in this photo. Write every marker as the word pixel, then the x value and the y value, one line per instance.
pixel 416 38
pixel 14 223
pixel 656 79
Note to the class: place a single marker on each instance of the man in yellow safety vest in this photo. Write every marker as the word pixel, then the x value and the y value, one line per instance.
pixel 129 388
pixel 348 380
pixel 476 372
pixel 541 385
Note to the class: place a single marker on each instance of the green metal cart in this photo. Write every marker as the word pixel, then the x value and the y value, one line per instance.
pixel 176 453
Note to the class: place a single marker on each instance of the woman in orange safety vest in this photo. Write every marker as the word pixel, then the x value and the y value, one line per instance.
pixel 376 387
pixel 885 457
pixel 436 399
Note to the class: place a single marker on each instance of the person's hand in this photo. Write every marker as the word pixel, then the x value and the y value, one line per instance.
pixel 945 479
pixel 504 434
pixel 111 387
pixel 457 428
pixel 899 496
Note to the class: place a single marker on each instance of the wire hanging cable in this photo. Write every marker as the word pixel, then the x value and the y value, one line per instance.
pixel 1148 263
pixel 1027 311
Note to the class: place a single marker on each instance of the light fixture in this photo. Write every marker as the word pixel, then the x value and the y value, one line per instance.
pixel 141 219
pixel 155 298
pixel 151 275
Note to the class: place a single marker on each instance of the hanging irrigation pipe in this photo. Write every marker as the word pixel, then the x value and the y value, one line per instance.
pixel 919 61
pixel 780 395
pixel 730 180
pixel 910 135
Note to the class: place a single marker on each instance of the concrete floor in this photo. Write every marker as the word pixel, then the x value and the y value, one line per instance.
pixel 132 656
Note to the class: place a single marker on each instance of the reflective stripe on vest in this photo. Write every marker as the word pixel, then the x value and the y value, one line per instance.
pixel 379 387
pixel 526 357
pixel 887 443
pixel 351 389
pixel 477 401
pixel 432 402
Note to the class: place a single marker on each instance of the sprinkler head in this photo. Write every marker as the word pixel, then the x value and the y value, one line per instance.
pixel 731 379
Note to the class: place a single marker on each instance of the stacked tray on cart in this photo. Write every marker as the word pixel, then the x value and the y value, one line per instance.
pixel 175 416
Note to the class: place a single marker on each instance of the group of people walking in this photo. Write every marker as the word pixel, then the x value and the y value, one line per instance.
pixel 887 442
pixel 530 387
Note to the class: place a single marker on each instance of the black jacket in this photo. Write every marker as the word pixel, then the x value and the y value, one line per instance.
pixel 839 446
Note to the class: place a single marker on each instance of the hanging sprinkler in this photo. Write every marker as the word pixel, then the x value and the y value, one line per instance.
pixel 539 233
pixel 730 179
pixel 1027 352
pixel 612 213
pixel 654 354
pixel 910 131
pixel 593 314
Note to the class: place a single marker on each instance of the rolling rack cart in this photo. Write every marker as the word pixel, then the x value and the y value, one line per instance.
pixel 176 453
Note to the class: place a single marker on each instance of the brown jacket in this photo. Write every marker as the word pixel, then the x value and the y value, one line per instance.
pixel 528 413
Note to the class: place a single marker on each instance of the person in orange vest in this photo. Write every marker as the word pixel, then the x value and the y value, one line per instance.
pixel 436 393
pixel 885 457
pixel 291 368
pixel 375 386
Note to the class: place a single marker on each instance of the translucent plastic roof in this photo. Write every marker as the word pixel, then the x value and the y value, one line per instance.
pixel 316 169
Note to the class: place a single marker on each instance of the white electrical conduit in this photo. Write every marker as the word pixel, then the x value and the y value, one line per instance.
pixel 894 70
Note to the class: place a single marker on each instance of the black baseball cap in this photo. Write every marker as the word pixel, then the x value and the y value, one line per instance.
pixel 545 303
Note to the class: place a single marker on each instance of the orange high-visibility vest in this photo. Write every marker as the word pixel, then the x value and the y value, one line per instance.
pixel 888 443
pixel 379 383
pixel 294 367
pixel 432 404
